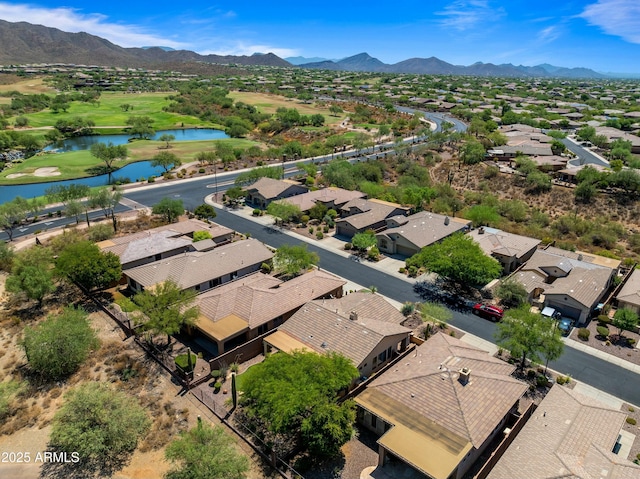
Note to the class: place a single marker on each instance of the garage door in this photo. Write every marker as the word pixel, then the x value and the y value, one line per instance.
pixel 567 311
pixel 405 251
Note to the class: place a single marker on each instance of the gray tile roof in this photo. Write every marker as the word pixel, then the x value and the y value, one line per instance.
pixel 569 435
pixel 191 269
pixel 494 241
pixel 427 384
pixel 372 212
pixel 259 298
pixel 425 228
pixel 337 196
pixel 630 292
pixel 318 326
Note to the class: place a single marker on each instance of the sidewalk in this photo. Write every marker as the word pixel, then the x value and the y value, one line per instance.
pixel 391 266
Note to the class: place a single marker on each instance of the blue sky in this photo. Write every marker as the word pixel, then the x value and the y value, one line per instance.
pixel 599 34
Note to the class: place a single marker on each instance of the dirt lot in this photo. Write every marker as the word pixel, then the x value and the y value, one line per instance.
pixel 27 427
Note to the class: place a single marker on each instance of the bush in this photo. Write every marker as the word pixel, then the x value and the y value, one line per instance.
pixel 542 381
pixel 413 271
pixel 583 333
pixel 407 309
pixel 217 385
pixel 631 421
pixel 631 341
pixel 182 361
pixel 348 246
pixel 319 235
pixel 402 270
pixel 201 170
pixel 304 219
pixel 100 233
pixel 491 171
pixel 311 230
pixel 325 229
pixel 215 374
pixel 256 212
pixel 603 331
pixel 265 267
pixel 151 179
pixel 563 380
pixel 603 319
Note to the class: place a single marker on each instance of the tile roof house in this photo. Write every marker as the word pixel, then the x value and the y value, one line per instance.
pixel 572 283
pixel 266 190
pixel 368 341
pixel 629 295
pixel 407 235
pixel 360 215
pixel 613 134
pixel 202 270
pixel 366 305
pixel 438 409
pixel 239 311
pixel 331 197
pixel 164 241
pixel 568 436
pixel 509 249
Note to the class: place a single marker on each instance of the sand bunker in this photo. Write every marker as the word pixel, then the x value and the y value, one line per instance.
pixel 40 172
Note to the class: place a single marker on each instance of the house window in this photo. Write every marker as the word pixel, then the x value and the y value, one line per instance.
pixel 383 243
pixel 382 356
pixel 374 421
pixel 197 287
pixel 263 328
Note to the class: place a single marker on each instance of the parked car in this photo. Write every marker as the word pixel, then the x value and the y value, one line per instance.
pixel 565 325
pixel 488 311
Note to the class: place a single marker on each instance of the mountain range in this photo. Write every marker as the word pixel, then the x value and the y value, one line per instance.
pixel 24 43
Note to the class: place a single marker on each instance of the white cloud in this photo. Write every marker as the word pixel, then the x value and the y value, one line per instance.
pixel 466 14
pixel 615 17
pixel 72 20
pixel 549 34
pixel 241 48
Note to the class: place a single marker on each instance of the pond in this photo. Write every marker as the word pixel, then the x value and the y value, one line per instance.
pixel 133 171
pixel 85 142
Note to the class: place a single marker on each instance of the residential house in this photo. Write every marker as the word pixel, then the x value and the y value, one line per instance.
pixel 407 235
pixel 266 190
pixel 614 134
pixel 571 282
pixel 629 296
pixel 164 241
pixel 509 249
pixel 360 215
pixel 332 197
pixel 239 311
pixel 437 410
pixel 368 341
pixel 366 305
pixel 202 270
pixel 569 435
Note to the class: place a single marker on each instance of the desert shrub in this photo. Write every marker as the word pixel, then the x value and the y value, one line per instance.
pixel 215 373
pixel 583 333
pixel 563 380
pixel 413 271
pixel 542 381
pixel 265 268
pixel 217 385
pixel 319 235
pixel 603 331
pixel 402 270
pixel 631 421
pixel 348 246
pixel 325 229
pixel 182 361
pixel 311 230
pixel 201 170
pixel 491 172
pixel 304 219
pixel 100 232
pixel 603 319
pixel 631 341
pixel 256 212
pixel 407 309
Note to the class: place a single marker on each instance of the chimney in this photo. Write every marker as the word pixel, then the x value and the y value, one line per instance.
pixel 465 375
pixel 481 230
pixel 353 316
pixel 446 220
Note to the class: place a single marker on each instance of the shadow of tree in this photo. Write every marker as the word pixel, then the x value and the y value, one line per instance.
pixel 65 468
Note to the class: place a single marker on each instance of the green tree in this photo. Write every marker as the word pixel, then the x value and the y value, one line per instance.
pixel 234 195
pixel 297 393
pixel 625 319
pixel 472 153
pixel 166 309
pixel 12 213
pixel 99 424
pixel 166 160
pixel 512 293
pixel 205 211
pixel 528 335
pixel 291 260
pixel 335 110
pixel 31 274
pixel 85 264
pixel 56 347
pixel 483 215
pixel 6 256
pixel 106 198
pixel 539 181
pixel 318 211
pixel 249 177
pixel 586 133
pixel 168 208
pixel 108 153
pixel 141 127
pixel 167 138
pixel 459 259
pixel 205 452
pixel 435 315
pixel 284 211
pixel 364 241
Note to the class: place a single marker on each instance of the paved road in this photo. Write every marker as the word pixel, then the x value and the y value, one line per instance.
pixel 591 370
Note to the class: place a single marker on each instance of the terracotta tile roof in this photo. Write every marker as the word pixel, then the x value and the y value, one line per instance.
pixel 322 329
pixel 425 228
pixel 259 298
pixel 270 188
pixel 366 305
pixel 427 384
pixel 191 269
pixel 494 241
pixel 569 435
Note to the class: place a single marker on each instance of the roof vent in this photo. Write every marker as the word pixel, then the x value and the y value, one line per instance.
pixel 353 316
pixel 465 375
pixel 580 257
pixel 446 220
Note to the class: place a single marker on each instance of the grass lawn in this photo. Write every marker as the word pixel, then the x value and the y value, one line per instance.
pixel 109 113
pixel 267 103
pixel 74 164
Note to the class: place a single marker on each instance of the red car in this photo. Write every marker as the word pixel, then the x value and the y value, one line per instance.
pixel 488 311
